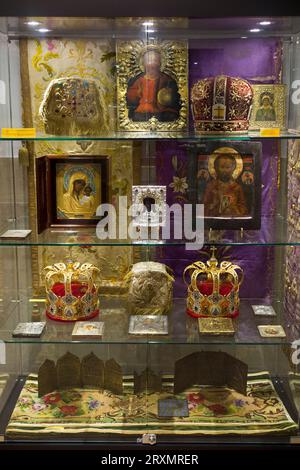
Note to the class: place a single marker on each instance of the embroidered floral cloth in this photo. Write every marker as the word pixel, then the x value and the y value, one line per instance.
pixel 212 411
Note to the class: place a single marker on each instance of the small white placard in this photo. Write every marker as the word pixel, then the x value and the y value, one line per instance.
pixel 15 234
pixel 2 353
pixel 2 92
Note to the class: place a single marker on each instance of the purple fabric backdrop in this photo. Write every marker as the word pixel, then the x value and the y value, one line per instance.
pixel 259 61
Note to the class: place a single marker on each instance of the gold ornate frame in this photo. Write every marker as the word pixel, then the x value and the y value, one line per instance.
pixel 174 62
pixel 279 93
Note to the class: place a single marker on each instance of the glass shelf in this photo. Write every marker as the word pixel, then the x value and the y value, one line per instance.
pixel 114 312
pixel 87 27
pixel 84 237
pixel 161 136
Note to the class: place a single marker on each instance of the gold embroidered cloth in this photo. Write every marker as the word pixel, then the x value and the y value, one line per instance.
pixel 212 411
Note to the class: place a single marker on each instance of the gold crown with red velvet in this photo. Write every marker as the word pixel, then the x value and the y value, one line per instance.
pixel 71 291
pixel 221 104
pixel 213 290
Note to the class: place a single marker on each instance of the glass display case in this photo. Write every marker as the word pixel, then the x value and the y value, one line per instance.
pixel 149 231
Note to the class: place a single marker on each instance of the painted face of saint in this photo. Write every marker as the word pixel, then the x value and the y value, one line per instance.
pixel 266 102
pixel 225 167
pixel 87 191
pixel 78 186
pixel 152 63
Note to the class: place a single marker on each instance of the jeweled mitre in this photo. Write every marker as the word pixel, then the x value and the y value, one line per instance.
pixel 71 291
pixel 72 106
pixel 221 104
pixel 213 290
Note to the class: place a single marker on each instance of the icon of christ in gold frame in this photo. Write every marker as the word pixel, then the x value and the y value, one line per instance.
pixel 152 85
pixel 153 93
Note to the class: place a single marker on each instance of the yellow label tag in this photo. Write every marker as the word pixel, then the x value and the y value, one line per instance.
pixel 266 132
pixel 15 132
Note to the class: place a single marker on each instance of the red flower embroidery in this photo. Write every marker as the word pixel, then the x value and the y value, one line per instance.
pixel 49 399
pixel 68 410
pixel 218 409
pixel 50 45
pixel 195 398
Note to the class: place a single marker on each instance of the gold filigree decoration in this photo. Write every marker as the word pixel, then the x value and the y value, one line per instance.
pixel 72 106
pixel 150 288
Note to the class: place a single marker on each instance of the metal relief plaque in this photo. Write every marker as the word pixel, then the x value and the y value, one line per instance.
pixel 68 371
pixel 29 330
pixel 87 330
pixel 113 377
pixel 92 371
pixel 148 325
pixel 47 380
pixel 216 326
pixel 264 310
pixel 173 407
pixel 271 331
